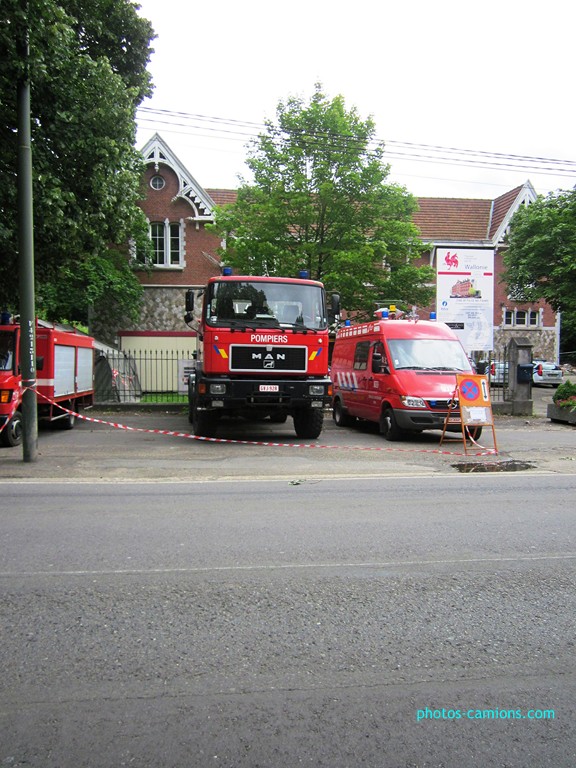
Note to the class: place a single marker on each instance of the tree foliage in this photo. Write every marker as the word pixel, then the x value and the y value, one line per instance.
pixel 319 201
pixel 540 262
pixel 87 70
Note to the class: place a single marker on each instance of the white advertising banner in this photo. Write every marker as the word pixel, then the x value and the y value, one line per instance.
pixel 465 295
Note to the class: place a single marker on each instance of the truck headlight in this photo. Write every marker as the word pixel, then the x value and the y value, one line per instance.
pixel 217 389
pixel 412 402
pixel 316 389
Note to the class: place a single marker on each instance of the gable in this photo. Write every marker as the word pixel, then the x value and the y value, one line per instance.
pixel 157 153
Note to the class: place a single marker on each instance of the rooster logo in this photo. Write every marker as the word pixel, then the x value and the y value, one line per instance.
pixel 451 260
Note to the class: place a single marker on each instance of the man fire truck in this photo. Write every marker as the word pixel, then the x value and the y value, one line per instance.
pixel 262 352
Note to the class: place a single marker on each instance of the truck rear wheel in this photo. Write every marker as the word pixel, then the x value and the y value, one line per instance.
pixel 68 421
pixel 11 435
pixel 308 423
pixel 340 415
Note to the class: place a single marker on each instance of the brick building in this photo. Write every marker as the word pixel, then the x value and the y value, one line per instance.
pixel 178 209
pixel 458 224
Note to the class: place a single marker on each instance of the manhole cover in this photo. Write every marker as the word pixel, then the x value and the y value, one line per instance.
pixel 500 466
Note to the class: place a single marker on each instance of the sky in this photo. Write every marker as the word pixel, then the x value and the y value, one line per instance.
pixel 494 78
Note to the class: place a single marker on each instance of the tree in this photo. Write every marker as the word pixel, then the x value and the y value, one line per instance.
pixel 87 68
pixel 540 262
pixel 320 202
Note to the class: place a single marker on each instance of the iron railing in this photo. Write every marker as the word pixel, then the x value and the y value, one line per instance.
pixel 146 376
pixel 162 376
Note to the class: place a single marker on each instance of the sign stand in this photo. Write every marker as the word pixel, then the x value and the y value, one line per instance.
pixel 472 398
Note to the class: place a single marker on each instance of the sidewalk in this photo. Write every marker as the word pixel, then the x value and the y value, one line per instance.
pixel 145 452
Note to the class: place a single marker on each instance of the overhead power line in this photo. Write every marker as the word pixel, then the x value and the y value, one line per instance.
pixel 229 129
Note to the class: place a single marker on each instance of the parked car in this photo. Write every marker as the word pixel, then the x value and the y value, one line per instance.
pixel 546 372
pixel 497 373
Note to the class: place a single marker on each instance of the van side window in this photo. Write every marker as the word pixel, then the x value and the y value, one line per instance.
pixel 361 355
pixel 379 352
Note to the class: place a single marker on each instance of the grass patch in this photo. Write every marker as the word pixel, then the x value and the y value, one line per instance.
pixel 164 397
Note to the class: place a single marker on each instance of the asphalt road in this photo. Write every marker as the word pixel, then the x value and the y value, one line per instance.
pixel 172 603
pixel 399 621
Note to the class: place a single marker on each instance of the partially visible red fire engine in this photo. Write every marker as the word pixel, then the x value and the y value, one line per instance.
pixel 262 352
pixel 65 373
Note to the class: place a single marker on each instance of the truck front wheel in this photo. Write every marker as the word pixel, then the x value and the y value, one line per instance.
pixel 203 422
pixel 11 435
pixel 389 426
pixel 308 423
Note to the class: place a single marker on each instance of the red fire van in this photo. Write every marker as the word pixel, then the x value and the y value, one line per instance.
pixel 398 373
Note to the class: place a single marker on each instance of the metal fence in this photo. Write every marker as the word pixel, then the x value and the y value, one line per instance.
pixel 147 376
pixel 162 377
pixel 497 370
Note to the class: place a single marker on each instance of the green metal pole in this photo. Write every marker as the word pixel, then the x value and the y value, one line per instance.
pixel 26 257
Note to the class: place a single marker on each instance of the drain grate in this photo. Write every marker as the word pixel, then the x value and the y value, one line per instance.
pixel 500 466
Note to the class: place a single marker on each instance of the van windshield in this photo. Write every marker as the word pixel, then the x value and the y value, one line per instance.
pixel 428 355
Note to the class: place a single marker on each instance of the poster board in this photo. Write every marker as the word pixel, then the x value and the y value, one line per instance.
pixel 465 295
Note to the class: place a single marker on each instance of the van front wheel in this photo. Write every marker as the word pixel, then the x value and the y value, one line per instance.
pixel 389 426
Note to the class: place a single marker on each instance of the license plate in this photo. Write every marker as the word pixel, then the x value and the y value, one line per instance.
pixel 269 388
pixel 454 420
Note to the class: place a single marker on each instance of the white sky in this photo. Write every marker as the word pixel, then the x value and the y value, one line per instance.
pixel 490 76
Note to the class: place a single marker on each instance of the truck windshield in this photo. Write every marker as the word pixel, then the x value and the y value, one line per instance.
pixel 237 303
pixel 6 350
pixel 428 355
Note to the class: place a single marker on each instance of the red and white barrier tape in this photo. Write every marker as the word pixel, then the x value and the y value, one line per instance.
pixel 189 436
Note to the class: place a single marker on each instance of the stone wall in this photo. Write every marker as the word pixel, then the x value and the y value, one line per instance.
pixel 543 341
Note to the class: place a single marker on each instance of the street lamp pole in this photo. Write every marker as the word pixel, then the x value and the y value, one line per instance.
pixel 26 252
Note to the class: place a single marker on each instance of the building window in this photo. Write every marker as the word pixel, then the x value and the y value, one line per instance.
pixel 167 244
pixel 521 318
pixel 157 182
pixel 174 245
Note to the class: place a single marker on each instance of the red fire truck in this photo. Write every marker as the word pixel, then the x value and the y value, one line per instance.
pixel 262 352
pixel 65 372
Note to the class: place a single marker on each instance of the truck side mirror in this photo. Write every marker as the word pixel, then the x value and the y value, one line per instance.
pixel 334 311
pixel 190 300
pixel 40 363
pixel 377 363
